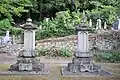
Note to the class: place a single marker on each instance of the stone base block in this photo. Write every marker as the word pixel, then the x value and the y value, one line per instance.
pixel 83 64
pixel 82 54
pixel 45 72
pixel 28 60
pixel 27 54
pixel 83 68
pixel 34 67
pixel 79 61
pixel 37 69
pixel 66 72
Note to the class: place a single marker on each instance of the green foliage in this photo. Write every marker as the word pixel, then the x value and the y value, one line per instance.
pixel 108 57
pixel 50 52
pixel 64 21
pixel 6 25
pixel 105 13
pixel 62 25
pixel 42 51
pixel 65 52
pixel 54 52
pixel 8 8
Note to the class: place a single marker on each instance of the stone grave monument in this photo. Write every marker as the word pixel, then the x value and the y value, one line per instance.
pixel 82 61
pixel 116 25
pixel 98 25
pixel 90 23
pixel 27 62
pixel 6 39
pixel 105 26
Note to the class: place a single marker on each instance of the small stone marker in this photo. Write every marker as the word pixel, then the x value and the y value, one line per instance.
pixel 6 39
pixel 90 23
pixel 116 25
pixel 105 26
pixel 119 24
pixel 99 25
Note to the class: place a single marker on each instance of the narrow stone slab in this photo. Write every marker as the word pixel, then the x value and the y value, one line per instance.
pixel 24 73
pixel 45 71
pixel 65 72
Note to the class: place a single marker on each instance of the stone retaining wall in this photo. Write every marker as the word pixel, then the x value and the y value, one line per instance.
pixel 107 40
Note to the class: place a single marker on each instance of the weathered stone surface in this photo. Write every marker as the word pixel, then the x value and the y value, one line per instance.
pixel 108 40
pixel 81 65
pixel 25 66
pixel 14 67
pixel 22 66
pixel 25 53
pixel 24 73
pixel 66 72
pixel 82 54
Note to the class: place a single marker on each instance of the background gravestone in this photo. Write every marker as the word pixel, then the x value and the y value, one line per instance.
pixel 6 39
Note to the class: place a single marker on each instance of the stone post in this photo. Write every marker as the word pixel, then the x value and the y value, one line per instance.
pixel 105 26
pixel 90 23
pixel 118 24
pixel 99 25
pixel 6 39
pixel 13 39
pixel 7 33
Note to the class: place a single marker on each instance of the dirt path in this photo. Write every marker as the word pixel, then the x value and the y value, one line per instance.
pixel 54 73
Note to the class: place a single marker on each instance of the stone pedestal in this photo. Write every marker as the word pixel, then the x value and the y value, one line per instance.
pixel 27 59
pixel 83 64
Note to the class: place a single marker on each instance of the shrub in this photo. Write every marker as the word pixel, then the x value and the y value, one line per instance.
pixel 107 57
pixel 54 52
pixel 6 25
pixel 43 51
pixel 62 25
pixel 105 13
pixel 65 52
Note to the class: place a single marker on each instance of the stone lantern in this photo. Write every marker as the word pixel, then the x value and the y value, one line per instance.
pixel 27 59
pixel 82 62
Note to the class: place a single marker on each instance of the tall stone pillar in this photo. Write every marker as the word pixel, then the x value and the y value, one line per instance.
pixel 105 26
pixel 29 40
pixel 27 59
pixel 118 24
pixel 99 25
pixel 90 23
